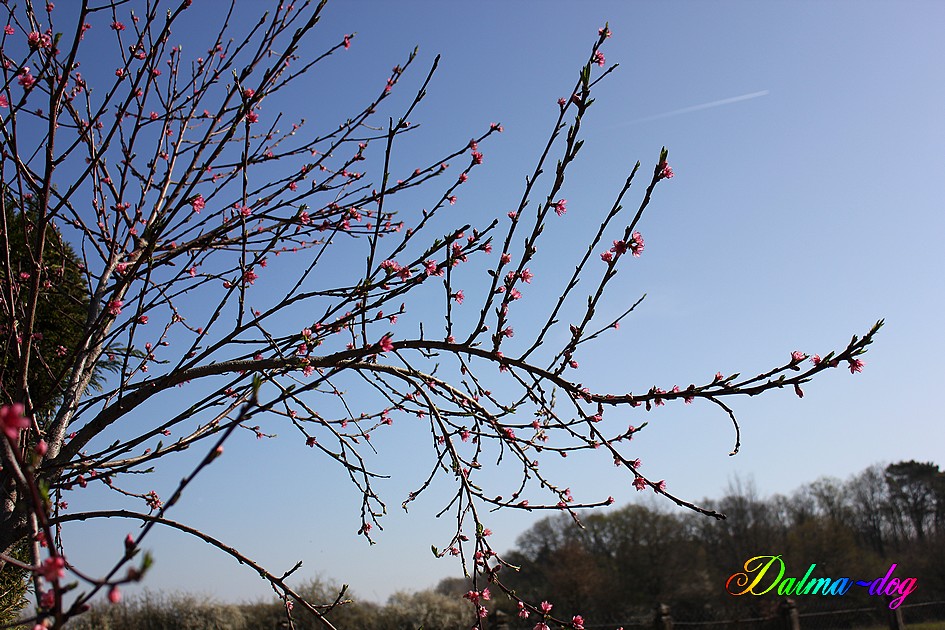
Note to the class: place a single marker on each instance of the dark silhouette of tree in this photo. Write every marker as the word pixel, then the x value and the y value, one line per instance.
pixel 914 496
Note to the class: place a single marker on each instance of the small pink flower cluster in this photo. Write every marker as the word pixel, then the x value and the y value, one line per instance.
pixel 13 421
pixel 635 245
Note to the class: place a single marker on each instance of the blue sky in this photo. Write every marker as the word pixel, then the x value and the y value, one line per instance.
pixel 797 218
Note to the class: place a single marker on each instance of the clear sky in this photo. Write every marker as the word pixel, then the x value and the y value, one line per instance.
pixel 806 138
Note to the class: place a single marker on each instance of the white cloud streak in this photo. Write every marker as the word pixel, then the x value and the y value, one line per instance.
pixel 700 107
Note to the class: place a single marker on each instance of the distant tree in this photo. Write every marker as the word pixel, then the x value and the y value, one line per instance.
pixel 181 194
pixel 615 564
pixel 161 611
pixel 914 493
pixel 61 304
pixel 869 502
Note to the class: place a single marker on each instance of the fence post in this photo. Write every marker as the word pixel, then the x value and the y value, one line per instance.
pixel 663 619
pixel 787 610
pixel 896 621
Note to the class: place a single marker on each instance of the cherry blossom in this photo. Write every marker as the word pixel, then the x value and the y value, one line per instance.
pixel 198 203
pixel 53 568
pixel 13 421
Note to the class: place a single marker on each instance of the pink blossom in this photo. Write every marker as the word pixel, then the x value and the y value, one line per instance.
pixel 561 206
pixel 4 103
pixel 152 500
pixel 12 420
pixel 26 79
pixel 541 625
pixel 607 256
pixel 114 307
pixel 117 26
pixel 477 157
pixel 797 356
pixel 9 30
pixel 636 244
pixel 522 611
pixel 546 607
pixel 599 58
pixel 250 276
pixel 505 259
pixel 604 31
pixel 53 568
pixel 252 117
pixel 577 621
pixel 248 93
pixel 114 595
pixel 459 297
pixel 666 172
pixel 639 483
pixel 386 343
pixel 198 203
pixel 526 275
pixel 856 365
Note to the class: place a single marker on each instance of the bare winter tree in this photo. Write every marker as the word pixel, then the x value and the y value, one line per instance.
pixel 141 220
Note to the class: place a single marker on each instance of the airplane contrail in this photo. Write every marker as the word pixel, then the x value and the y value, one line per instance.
pixel 701 106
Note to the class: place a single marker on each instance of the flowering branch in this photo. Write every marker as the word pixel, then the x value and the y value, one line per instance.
pixel 183 236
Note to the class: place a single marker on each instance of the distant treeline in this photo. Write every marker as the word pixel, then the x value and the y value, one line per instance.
pixel 624 561
pixel 620 563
